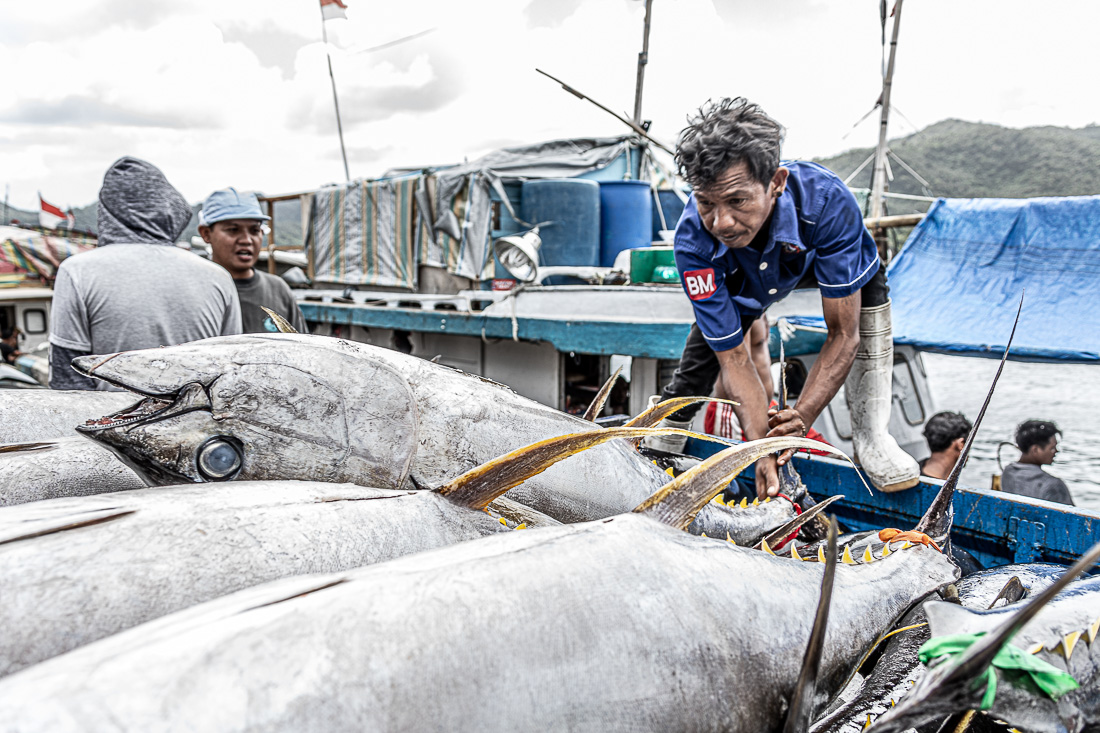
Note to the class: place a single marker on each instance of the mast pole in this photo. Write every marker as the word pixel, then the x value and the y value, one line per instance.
pixel 878 177
pixel 335 99
pixel 643 59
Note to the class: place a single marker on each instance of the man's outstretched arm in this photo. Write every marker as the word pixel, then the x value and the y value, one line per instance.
pixel 742 384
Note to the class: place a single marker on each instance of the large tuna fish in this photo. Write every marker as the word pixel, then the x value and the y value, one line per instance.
pixel 60 467
pixel 622 624
pixel 76 570
pixel 1058 627
pixel 283 406
pixel 44 414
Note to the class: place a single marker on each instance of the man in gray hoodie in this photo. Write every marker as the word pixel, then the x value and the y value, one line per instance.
pixel 136 290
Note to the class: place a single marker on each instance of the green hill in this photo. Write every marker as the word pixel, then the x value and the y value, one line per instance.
pixel 972 160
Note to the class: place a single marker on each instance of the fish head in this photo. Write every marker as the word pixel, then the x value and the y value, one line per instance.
pixel 258 408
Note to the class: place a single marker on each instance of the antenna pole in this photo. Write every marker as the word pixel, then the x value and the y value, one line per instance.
pixel 878 178
pixel 643 59
pixel 335 99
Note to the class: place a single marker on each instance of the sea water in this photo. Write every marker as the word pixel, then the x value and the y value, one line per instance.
pixel 1064 393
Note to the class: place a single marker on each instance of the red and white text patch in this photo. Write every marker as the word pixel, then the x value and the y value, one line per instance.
pixel 699 283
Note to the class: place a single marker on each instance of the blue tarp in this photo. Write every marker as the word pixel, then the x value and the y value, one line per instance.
pixel 957 282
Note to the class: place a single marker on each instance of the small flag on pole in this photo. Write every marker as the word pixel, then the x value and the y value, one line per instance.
pixel 49 216
pixel 333 9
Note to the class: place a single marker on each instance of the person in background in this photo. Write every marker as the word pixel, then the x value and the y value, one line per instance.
pixel 946 435
pixel 136 289
pixel 1038 444
pixel 233 225
pixel 9 344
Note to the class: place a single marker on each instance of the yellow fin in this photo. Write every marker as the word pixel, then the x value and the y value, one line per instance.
pixel 718 500
pixel 885 550
pixel 867 556
pixel 744 503
pixel 794 553
pixel 906 545
pixel 521 525
pixel 669 472
pixel 846 556
pixel 1093 629
pixel 868 723
pixel 503 522
pixel 756 502
pixel 1068 642
pixel 765 548
pixel 728 538
pixel 820 553
pixel 702 534
pixel 1035 648
pixel 767 500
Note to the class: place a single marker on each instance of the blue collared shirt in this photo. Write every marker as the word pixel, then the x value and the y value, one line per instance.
pixel 816 229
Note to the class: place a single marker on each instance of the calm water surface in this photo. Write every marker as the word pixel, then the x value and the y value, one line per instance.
pixel 1068 394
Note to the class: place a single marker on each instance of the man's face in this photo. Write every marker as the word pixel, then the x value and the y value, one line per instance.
pixel 234 244
pixel 1045 453
pixel 735 207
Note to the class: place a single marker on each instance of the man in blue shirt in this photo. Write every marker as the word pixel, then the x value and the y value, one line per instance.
pixel 753 231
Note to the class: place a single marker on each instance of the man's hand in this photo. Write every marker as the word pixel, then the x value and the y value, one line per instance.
pixel 767 477
pixel 786 422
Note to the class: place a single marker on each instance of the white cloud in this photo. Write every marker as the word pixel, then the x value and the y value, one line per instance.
pixel 238 93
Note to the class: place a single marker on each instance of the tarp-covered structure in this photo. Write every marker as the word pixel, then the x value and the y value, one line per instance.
pixel 957 282
pixel 378 232
pixel 28 255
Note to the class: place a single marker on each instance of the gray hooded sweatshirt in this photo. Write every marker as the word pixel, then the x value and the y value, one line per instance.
pixel 141 291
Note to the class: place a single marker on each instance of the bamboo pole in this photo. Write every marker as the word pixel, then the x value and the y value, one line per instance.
pixel 643 59
pixel 878 178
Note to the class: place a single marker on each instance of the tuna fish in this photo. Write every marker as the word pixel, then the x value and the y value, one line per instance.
pixel 60 467
pixel 1057 626
pixel 76 570
pixel 28 416
pixel 283 406
pixel 622 624
pixel 898 669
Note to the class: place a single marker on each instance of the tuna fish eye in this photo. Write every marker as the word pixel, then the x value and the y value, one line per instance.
pixel 219 459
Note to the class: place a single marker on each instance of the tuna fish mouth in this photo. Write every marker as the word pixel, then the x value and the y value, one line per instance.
pixel 150 409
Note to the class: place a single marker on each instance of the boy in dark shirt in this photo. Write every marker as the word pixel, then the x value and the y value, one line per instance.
pixel 1038 444
pixel 233 225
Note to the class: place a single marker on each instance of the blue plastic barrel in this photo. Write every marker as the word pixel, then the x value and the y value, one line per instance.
pixel 626 218
pixel 571 206
pixel 672 207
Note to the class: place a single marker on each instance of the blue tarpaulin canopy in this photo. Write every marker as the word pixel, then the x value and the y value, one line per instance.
pixel 957 282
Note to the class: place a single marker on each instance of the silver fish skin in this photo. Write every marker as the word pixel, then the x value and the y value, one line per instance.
pixel 899 668
pixel 323 409
pixel 618 625
pixel 30 415
pixel 60 467
pixel 76 570
pixel 1071 620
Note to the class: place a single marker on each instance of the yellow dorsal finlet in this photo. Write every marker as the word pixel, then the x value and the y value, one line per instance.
pixel 521 525
pixel 1035 648
pixel 867 556
pixel 744 503
pixel 1093 629
pixel 820 554
pixel 1069 641
pixel 669 472
pixel 794 552
pixel 504 521
pixel 846 556
pixel 765 548
pixel 718 500
pixel 885 550
pixel 756 502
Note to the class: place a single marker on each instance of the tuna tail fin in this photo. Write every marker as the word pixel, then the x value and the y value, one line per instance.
pixel 601 397
pixel 479 486
pixel 660 411
pixel 802 702
pixel 936 522
pixel 949 684
pixel 678 501
pixel 280 323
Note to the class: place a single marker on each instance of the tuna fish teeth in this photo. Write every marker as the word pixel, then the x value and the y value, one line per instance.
pixel 744 503
pixel 1093 629
pixel 846 557
pixel 794 553
pixel 765 548
pixel 1068 642
pixel 820 554
pixel 867 556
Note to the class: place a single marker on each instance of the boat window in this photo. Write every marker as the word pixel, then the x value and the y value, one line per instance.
pixel 34 321
pixel 905 391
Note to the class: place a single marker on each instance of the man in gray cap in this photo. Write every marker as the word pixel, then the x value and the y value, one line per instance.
pixel 136 290
pixel 233 225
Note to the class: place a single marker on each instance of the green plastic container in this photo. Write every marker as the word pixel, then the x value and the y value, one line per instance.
pixel 653 265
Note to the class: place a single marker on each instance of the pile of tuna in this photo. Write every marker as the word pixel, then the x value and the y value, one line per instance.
pixel 300 533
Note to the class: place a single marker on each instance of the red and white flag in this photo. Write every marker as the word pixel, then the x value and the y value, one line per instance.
pixel 333 9
pixel 49 216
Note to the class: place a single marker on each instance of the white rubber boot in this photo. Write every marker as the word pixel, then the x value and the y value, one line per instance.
pixel 869 389
pixel 667 443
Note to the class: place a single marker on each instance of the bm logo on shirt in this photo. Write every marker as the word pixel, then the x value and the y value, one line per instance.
pixel 700 283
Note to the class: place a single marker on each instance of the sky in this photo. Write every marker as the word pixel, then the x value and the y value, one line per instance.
pixel 237 93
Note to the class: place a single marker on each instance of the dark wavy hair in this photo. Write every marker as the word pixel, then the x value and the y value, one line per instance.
pixel 944 428
pixel 723 134
pixel 1035 432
